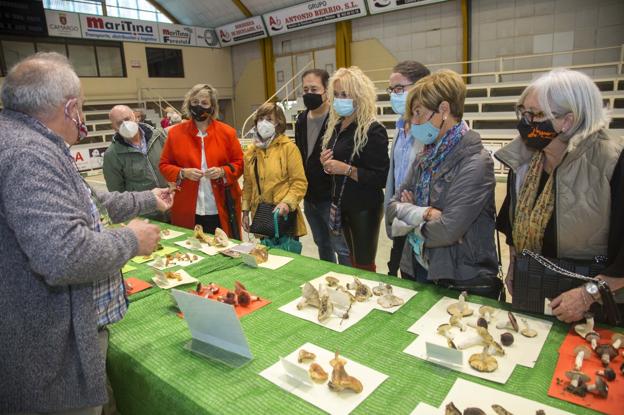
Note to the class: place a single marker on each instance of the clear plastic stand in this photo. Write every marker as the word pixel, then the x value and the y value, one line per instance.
pixel 213 352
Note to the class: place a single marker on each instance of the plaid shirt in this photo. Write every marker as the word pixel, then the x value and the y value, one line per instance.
pixel 109 294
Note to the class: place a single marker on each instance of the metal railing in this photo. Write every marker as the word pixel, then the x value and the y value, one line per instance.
pixel 282 88
pixel 501 61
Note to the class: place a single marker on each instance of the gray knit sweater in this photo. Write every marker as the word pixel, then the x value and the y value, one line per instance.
pixel 49 259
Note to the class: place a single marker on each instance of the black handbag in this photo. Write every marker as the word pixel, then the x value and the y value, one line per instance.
pixel 537 279
pixel 263 222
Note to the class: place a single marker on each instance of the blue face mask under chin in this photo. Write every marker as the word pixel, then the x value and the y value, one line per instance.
pixel 426 132
pixel 343 106
pixel 398 102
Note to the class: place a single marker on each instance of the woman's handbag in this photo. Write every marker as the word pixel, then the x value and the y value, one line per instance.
pixel 537 280
pixel 284 242
pixel 263 222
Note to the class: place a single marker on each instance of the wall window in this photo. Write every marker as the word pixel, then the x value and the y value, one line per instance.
pixel 164 63
pixel 90 58
pixel 131 9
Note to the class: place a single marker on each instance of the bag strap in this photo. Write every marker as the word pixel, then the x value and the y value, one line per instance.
pixel 344 180
pixel 257 176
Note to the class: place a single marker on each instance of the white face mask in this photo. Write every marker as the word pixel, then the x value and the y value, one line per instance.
pixel 128 129
pixel 265 130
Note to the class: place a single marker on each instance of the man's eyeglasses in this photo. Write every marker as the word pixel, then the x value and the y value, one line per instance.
pixel 397 89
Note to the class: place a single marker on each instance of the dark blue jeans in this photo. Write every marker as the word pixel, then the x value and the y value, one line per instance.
pixel 329 246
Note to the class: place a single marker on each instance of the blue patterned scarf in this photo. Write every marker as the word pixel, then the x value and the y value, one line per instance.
pixel 430 160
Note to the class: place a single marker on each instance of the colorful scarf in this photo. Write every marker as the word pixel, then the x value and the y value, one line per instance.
pixel 432 157
pixel 533 215
pixel 430 160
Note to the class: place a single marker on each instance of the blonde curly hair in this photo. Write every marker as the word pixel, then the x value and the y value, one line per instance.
pixel 361 89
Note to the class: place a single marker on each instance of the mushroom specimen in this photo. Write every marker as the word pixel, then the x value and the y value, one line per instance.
pixel 326 308
pixel 500 410
pixel 456 321
pixel 331 281
pixel 586 330
pixel 599 388
pixel 483 362
pixel 198 232
pixel 304 356
pixel 220 238
pixel 507 339
pixel 445 330
pixel 617 339
pixel 510 324
pixel 578 382
pixel 362 291
pixel 340 380
pixel 389 300
pixel 382 289
pixel 451 409
pixel 527 331
pixel 474 411
pixel 582 353
pixel 606 353
pixel 607 373
pixel 310 297
pixel 317 374
pixel 260 253
pixel 466 340
pixel 487 312
pixel 460 307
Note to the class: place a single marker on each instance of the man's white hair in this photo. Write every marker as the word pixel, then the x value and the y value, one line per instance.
pixel 562 91
pixel 39 84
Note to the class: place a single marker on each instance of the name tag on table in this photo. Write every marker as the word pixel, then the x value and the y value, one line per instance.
pixel 444 356
pixel 296 373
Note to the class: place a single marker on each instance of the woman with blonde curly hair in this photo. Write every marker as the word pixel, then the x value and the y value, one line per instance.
pixel 355 154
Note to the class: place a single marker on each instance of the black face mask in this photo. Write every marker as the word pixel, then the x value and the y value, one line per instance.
pixel 537 135
pixel 312 101
pixel 200 113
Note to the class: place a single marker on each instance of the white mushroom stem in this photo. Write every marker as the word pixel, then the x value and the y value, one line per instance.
pixel 617 343
pixel 578 362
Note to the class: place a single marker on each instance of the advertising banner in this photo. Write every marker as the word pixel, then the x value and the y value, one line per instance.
pixel 63 24
pixel 241 31
pixel 311 14
pixel 171 34
pixel 382 6
pixel 118 29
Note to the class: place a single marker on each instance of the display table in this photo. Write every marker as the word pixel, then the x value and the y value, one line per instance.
pixel 151 372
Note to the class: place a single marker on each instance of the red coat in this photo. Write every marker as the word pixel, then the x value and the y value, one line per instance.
pixel 183 150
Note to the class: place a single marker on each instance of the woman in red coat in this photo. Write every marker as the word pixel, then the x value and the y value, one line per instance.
pixel 204 158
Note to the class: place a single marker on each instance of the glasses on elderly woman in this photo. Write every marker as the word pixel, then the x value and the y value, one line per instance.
pixel 531 117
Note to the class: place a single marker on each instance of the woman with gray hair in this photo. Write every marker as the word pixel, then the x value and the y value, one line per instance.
pixel 565 188
pixel 204 158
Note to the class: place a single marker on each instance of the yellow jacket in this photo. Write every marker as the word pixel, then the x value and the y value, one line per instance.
pixel 282 178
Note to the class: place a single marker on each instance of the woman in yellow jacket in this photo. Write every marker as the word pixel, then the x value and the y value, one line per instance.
pixel 280 169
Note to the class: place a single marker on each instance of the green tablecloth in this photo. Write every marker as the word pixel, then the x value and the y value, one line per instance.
pixel 151 373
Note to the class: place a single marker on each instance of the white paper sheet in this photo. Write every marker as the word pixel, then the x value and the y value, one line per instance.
pixel 358 311
pixel 466 394
pixel 319 395
pixel 175 262
pixel 186 279
pixel 171 234
pixel 524 351
pixel 275 262
pixel 206 248
pixel 405 293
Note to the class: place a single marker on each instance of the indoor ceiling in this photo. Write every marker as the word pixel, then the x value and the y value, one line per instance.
pixel 213 13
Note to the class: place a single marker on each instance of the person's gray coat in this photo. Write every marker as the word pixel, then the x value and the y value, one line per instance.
pixel 459 245
pixel 390 189
pixel 50 257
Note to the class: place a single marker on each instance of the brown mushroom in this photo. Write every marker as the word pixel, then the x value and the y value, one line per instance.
pixel 451 409
pixel 592 338
pixel 456 321
pixel 460 307
pixel 606 353
pixel 599 388
pixel 474 411
pixel 578 382
pixel 500 410
pixel 617 340
pixel 304 355
pixel 317 374
pixel 445 330
pixel 581 352
pixel 486 312
pixel 340 380
pixel 507 339
pixel 527 331
pixel 483 362
pixel 582 329
pixel 607 373
pixel 510 324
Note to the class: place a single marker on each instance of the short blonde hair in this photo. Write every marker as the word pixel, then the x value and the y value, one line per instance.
pixel 562 91
pixel 432 90
pixel 362 90
pixel 194 92
pixel 278 114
